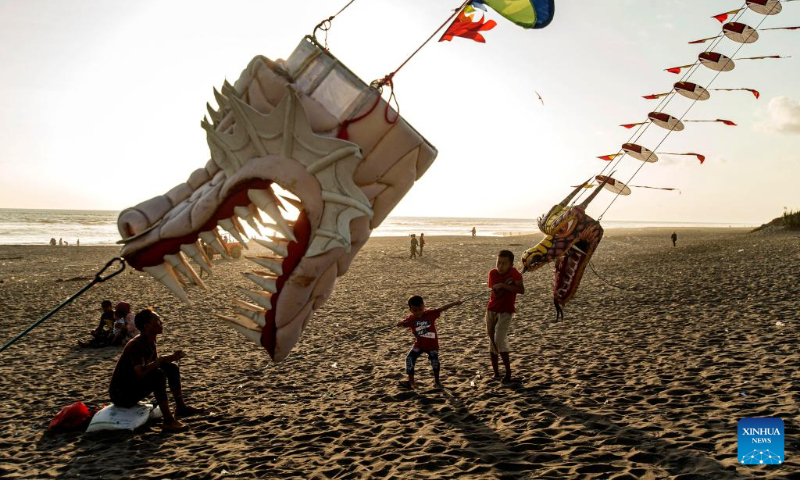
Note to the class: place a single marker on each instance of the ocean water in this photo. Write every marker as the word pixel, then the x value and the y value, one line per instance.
pixel 37 227
pixel 99 227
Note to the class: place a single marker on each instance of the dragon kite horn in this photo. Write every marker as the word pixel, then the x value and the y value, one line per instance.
pixel 569 198
pixel 594 194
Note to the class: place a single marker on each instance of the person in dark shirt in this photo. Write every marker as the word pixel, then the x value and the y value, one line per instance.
pixel 102 336
pixel 423 325
pixel 140 371
pixel 674 238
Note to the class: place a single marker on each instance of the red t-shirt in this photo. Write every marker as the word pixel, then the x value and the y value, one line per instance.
pixel 502 301
pixel 424 330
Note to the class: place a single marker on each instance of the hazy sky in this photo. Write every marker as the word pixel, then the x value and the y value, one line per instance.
pixel 101 101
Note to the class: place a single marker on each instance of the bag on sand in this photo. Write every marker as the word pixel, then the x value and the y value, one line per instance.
pixel 71 417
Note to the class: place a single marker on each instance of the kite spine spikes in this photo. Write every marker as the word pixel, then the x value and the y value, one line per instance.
pixel 595 193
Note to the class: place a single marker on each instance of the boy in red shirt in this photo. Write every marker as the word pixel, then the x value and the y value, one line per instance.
pixel 505 282
pixel 423 325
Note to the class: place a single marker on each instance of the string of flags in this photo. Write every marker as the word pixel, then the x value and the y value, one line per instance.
pixel 733 30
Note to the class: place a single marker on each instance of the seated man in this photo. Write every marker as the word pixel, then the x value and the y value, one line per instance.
pixel 140 371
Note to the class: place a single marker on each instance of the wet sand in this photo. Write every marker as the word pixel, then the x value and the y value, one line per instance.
pixel 644 381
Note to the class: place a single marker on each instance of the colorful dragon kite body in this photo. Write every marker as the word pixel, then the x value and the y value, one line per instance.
pixel 311 127
pixel 571 239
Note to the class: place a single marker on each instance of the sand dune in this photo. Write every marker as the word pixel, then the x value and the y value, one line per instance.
pixel 644 381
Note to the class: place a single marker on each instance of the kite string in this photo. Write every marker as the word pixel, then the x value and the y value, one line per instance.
pixel 665 103
pixel 591 265
pixel 325 25
pixel 98 278
pixel 386 80
pixel 685 113
pixel 642 129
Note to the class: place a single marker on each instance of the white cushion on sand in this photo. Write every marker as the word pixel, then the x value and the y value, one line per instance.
pixel 112 417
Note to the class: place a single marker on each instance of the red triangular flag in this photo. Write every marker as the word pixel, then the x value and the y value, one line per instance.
pixel 781 28
pixel 678 69
pixel 727 122
pixel 722 17
pixel 700 157
pixel 702 40
pixel 608 157
pixel 755 93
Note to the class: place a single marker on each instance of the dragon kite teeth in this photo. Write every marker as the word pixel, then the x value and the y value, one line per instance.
pixel 274 148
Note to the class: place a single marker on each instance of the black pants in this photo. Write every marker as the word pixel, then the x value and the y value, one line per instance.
pixel 413 355
pixel 154 382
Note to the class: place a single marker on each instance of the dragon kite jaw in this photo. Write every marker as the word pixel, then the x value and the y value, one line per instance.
pixel 277 126
pixel 571 239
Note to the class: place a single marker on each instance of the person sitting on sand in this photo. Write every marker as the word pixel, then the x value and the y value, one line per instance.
pixel 506 283
pixel 103 334
pixel 421 243
pixel 414 244
pixel 124 326
pixel 423 325
pixel 141 371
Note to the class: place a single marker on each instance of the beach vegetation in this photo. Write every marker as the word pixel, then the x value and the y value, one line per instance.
pixel 791 219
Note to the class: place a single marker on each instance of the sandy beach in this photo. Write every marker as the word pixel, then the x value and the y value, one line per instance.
pixel 645 379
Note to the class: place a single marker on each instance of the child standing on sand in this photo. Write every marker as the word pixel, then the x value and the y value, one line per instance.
pixel 423 325
pixel 506 283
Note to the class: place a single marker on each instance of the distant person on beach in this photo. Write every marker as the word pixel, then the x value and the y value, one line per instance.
pixel 103 334
pixel 52 242
pixel 60 242
pixel 78 243
pixel 674 238
pixel 421 243
pixel 414 244
pixel 423 325
pixel 124 324
pixel 473 232
pixel 140 371
pixel 506 283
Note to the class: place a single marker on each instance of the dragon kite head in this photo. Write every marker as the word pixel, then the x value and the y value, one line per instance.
pixel 571 237
pixel 301 135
